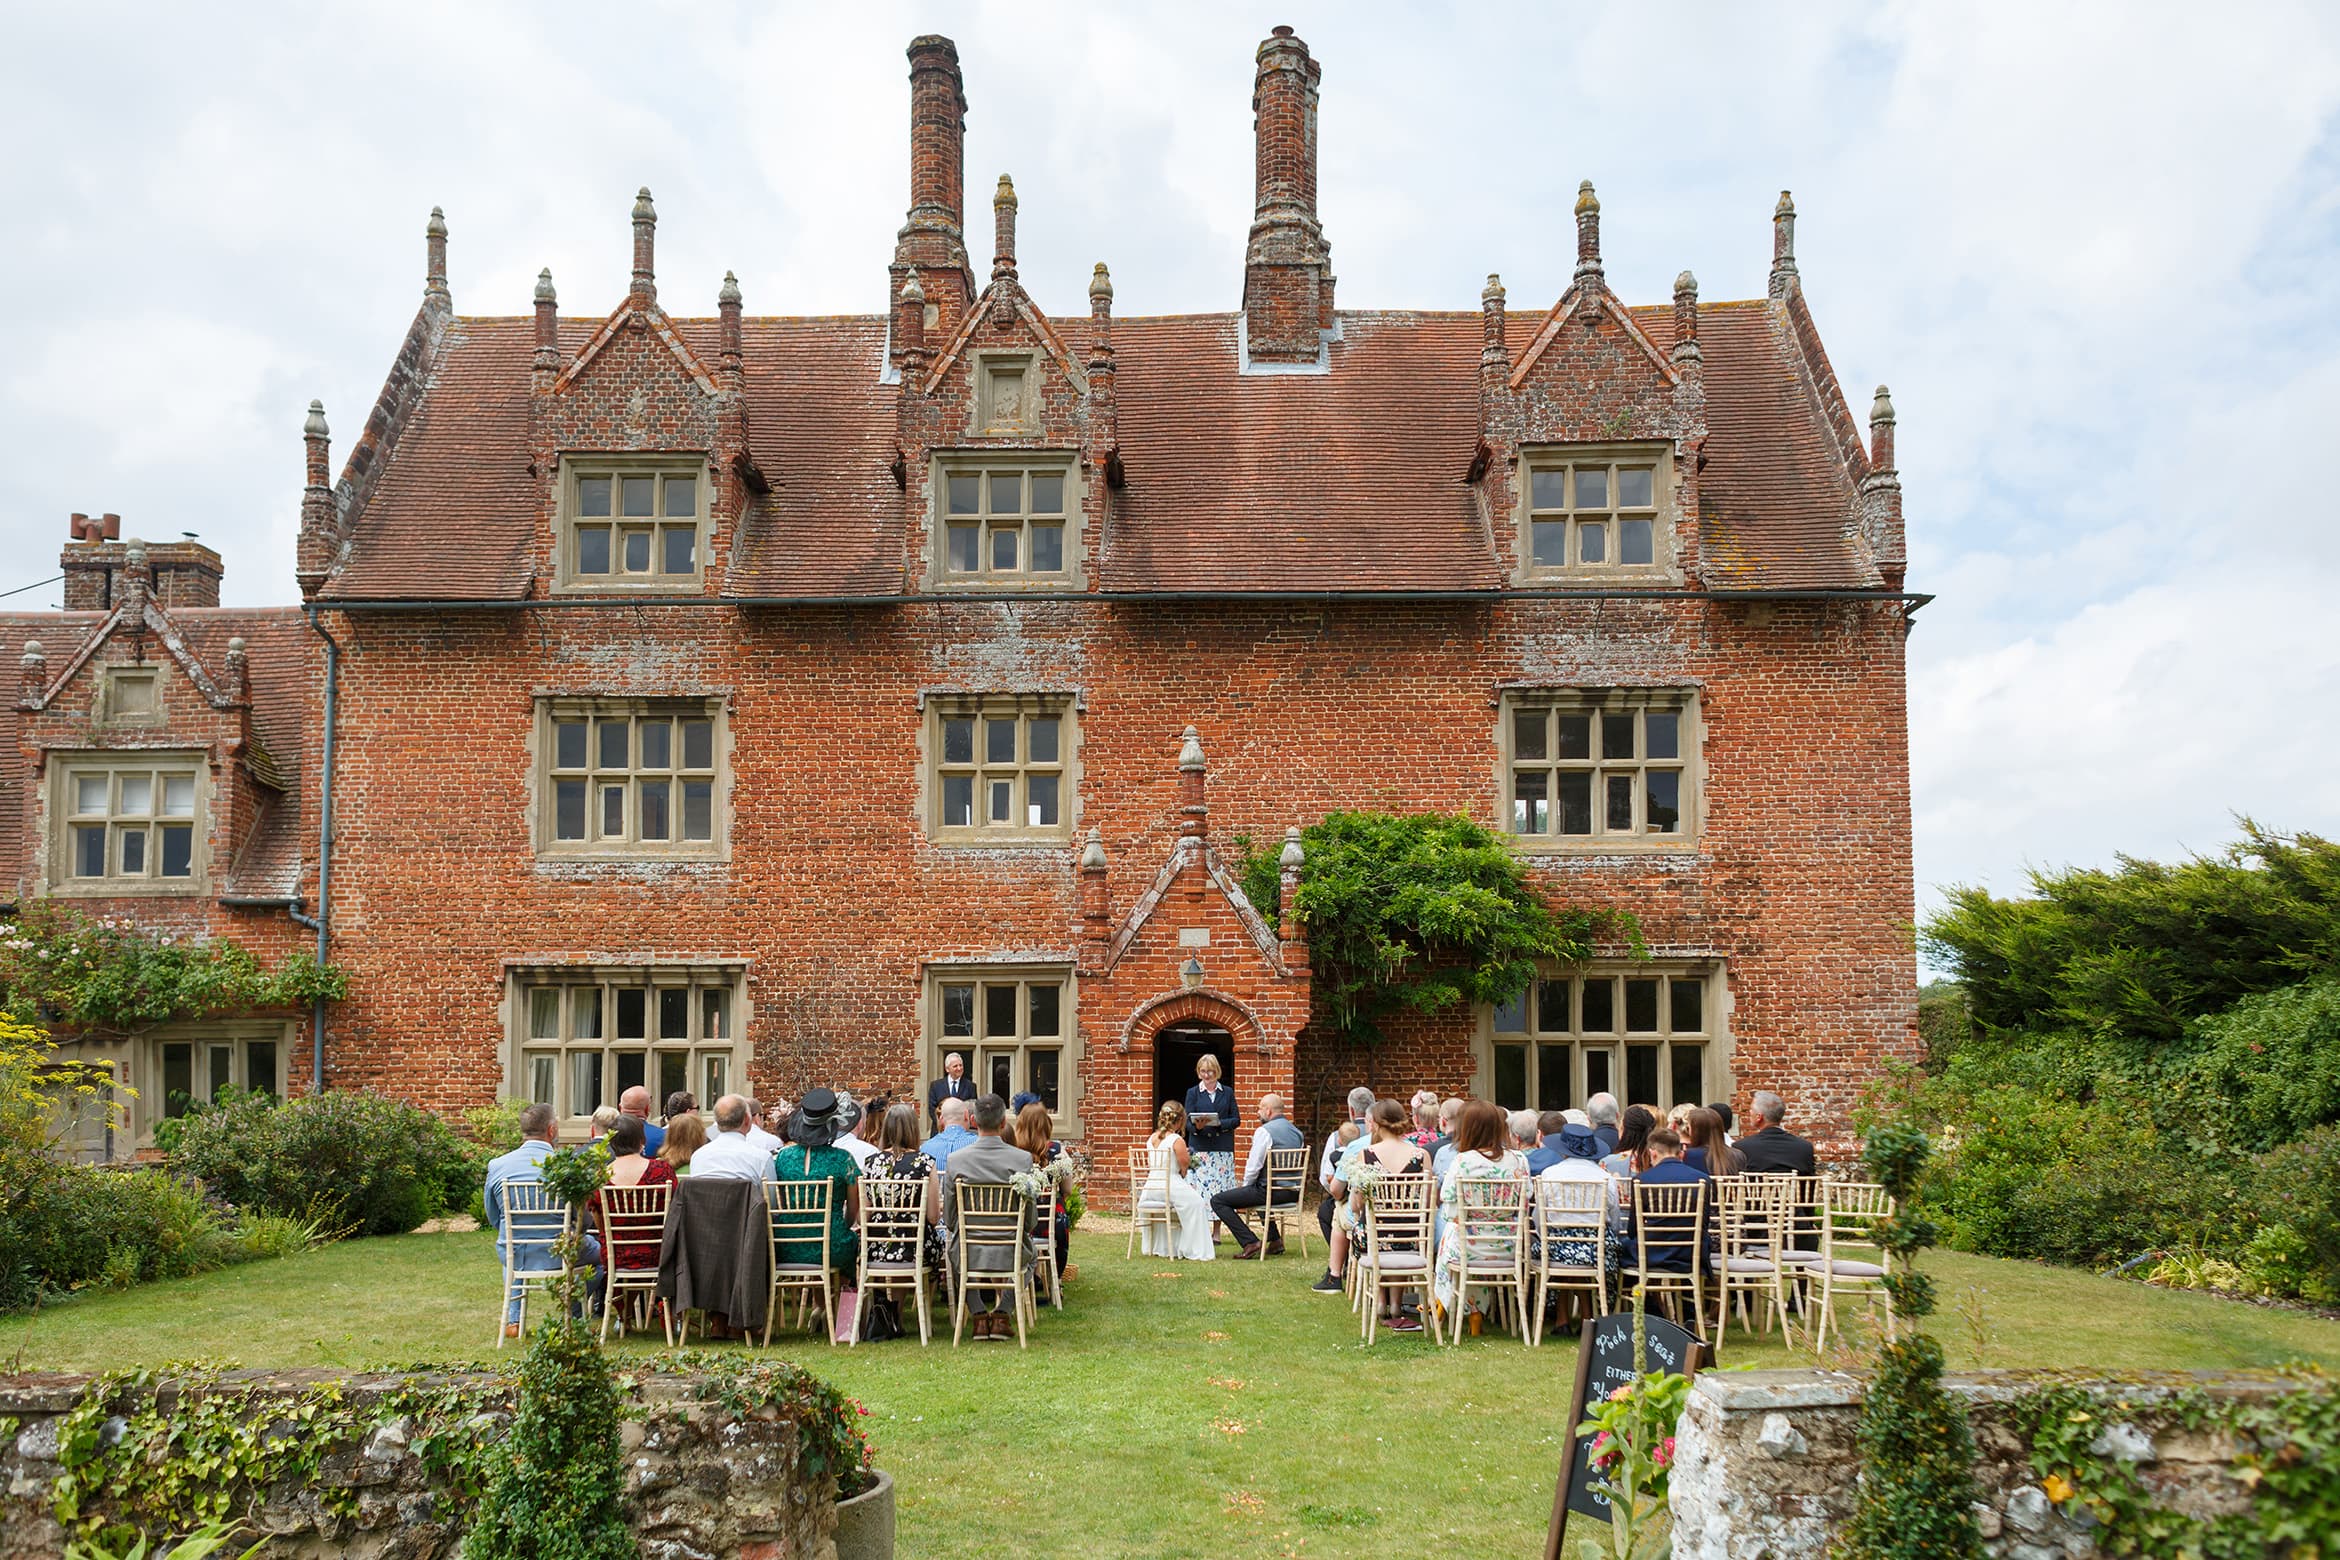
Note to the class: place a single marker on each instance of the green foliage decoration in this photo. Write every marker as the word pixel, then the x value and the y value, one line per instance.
pixel 2287 1457
pixel 107 976
pixel 1415 913
pixel 1917 1451
pixel 557 1480
pixel 2139 950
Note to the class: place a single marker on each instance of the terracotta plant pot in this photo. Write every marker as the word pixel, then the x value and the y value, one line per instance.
pixel 865 1524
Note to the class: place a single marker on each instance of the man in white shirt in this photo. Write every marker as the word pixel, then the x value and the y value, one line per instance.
pixel 764 1142
pixel 731 1154
pixel 1252 1192
pixel 851 1119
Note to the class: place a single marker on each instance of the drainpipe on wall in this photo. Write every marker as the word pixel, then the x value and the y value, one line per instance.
pixel 324 846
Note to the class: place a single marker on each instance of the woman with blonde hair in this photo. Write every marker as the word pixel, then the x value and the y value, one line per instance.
pixel 1167 1159
pixel 685 1136
pixel 1034 1131
pixel 1210 1133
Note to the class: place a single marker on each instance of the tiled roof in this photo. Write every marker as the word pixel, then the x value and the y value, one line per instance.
pixel 1346 480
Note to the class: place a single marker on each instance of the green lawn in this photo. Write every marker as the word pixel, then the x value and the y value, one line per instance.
pixel 1171 1409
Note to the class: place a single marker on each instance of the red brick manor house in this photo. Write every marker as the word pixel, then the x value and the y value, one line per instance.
pixel 746 701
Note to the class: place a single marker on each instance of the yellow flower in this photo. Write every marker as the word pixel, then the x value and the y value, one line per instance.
pixel 2059 1489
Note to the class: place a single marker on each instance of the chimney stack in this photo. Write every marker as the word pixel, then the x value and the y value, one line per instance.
pixel 1287 280
pixel 933 237
pixel 95 565
pixel 1104 396
pixel 1783 246
pixel 645 288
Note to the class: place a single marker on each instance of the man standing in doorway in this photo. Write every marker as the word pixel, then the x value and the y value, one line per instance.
pixel 954 1084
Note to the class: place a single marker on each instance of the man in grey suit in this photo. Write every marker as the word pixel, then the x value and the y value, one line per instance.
pixel 988 1161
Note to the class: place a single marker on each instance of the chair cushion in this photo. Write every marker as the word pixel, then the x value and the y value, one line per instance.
pixel 1856 1270
pixel 1400 1261
pixel 1801 1258
pixel 798 1269
pixel 1750 1265
pixel 893 1267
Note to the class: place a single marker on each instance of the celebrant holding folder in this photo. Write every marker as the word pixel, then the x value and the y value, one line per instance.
pixel 1210 1133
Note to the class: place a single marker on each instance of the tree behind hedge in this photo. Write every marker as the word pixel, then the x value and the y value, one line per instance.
pixel 2142 949
pixel 1417 912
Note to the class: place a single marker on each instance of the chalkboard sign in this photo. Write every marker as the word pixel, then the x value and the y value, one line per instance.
pixel 1604 1362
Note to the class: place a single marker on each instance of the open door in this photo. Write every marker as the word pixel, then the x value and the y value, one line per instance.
pixel 1177 1050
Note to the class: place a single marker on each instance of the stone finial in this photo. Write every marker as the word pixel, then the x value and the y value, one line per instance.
pixel 913 290
pixel 544 287
pixel 547 361
pixel 32 677
pixel 1190 752
pixel 1686 318
pixel 1783 245
pixel 1588 231
pixel 1494 351
pixel 239 673
pixel 435 243
pixel 1093 850
pixel 1003 224
pixel 1881 421
pixel 1881 409
pixel 1291 857
pixel 137 580
pixel 727 296
pixel 317 441
pixel 910 318
pixel 1101 292
pixel 645 285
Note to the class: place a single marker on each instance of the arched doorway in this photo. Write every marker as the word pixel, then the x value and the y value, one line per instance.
pixel 1178 1047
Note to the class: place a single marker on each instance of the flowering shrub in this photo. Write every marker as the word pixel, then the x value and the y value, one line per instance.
pixel 1633 1449
pixel 107 976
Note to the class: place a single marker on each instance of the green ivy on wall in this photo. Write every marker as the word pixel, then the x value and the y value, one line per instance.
pixel 105 975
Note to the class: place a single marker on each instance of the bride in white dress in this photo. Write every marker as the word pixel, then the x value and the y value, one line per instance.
pixel 1167 1155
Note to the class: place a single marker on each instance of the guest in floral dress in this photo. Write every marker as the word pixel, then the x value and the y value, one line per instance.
pixel 1212 1148
pixel 898 1158
pixel 1034 1131
pixel 1481 1153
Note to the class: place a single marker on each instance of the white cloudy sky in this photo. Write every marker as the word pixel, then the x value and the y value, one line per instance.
pixel 2091 246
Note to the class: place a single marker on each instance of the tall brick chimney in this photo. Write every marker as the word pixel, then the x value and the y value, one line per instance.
pixel 1287 272
pixel 933 237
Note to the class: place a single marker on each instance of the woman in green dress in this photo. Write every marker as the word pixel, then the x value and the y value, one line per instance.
pixel 811 1154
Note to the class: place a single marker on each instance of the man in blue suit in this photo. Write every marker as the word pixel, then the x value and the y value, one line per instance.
pixel 1670 1170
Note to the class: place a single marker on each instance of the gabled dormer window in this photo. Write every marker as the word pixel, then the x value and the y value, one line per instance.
pixel 633 523
pixel 1005 521
pixel 1598 510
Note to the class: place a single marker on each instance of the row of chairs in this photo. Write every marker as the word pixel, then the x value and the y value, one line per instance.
pixel 1150 1207
pixel 990 1218
pixel 1745 1242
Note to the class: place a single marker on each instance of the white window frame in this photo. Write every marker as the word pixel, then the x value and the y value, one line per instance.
pixel 981 1044
pixel 1521 769
pixel 570 574
pixel 1608 518
pixel 68 770
pixel 606 993
pixel 1531 1025
pixel 554 711
pixel 945 767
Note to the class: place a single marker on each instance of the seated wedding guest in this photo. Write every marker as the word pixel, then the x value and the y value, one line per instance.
pixel 1601 1111
pixel 1722 1109
pixel 1577 1138
pixel 1708 1151
pixel 1666 1168
pixel 1360 1106
pixel 899 1158
pixel 686 1134
pixel 850 1120
pixel 1168 1160
pixel 680 1103
pixel 1632 1155
pixel 1482 1153
pixel 1527 1130
pixel 1678 1119
pixel 1546 1151
pixel 1391 1152
pixel 812 1155
pixel 952 1135
pixel 538 1128
pixel 1771 1149
pixel 1423 1108
pixel 765 1141
pixel 731 1154
pixel 988 1161
pixel 1442 1147
pixel 604 1117
pixel 1273 1132
pixel 631 1165
pixel 1034 1131
pixel 635 1102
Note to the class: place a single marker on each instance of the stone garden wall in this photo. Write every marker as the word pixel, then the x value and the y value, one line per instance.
pixel 703 1482
pixel 1766 1467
